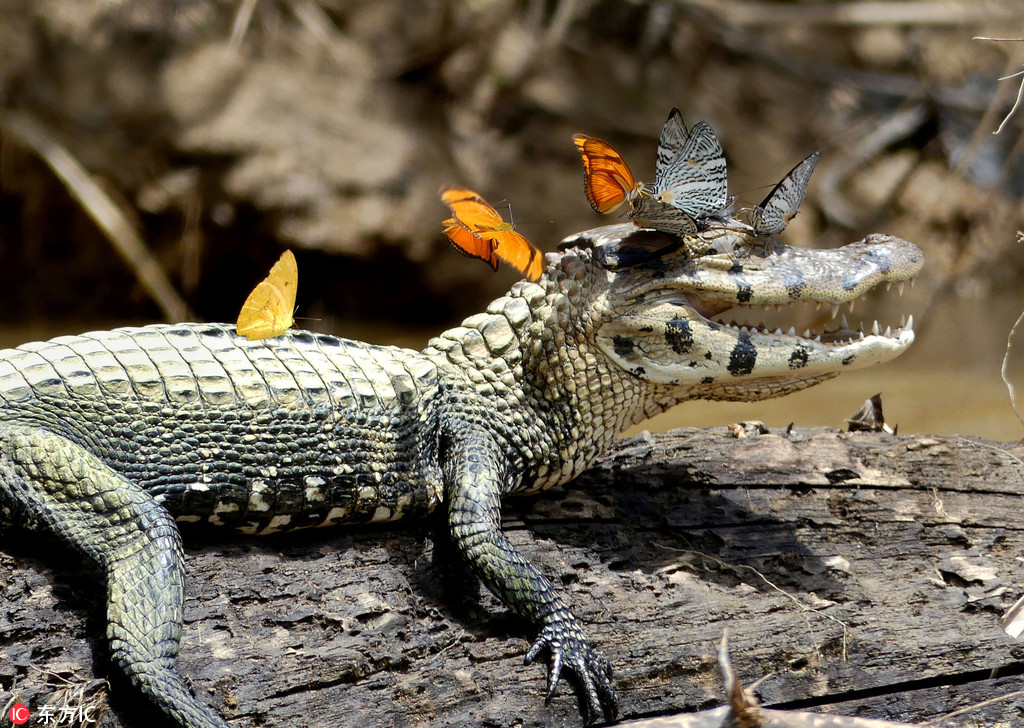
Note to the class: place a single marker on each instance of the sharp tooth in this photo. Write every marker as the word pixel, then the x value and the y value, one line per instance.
pixel 778 332
pixel 850 304
pixel 807 334
pixel 888 285
pixel 778 306
pixel 860 334
pixel 912 282
pixel 846 324
pixel 818 339
pixel 817 305
pixel 835 310
pixel 792 331
pixel 910 323
pixel 901 288
pixel 888 332
pixel 874 329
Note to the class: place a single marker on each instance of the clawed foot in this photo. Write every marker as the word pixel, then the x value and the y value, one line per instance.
pixel 570 649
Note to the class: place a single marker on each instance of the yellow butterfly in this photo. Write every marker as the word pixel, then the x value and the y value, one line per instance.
pixel 268 309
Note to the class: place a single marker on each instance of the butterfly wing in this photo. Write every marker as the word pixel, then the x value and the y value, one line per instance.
pixel 649 212
pixel 477 230
pixel 471 215
pixel 473 246
pixel 782 203
pixel 471 209
pixel 268 309
pixel 672 141
pixel 695 181
pixel 607 179
pixel 519 253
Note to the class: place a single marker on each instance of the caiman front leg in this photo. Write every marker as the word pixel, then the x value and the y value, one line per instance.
pixel 52 484
pixel 474 473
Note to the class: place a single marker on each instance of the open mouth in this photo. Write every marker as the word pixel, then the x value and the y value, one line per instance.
pixel 818 321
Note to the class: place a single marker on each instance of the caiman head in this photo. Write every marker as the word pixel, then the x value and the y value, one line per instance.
pixel 627 322
pixel 692 322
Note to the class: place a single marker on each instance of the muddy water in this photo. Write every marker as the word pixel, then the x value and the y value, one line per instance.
pixel 947 383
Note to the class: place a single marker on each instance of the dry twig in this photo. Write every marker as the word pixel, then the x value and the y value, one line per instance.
pixel 1020 88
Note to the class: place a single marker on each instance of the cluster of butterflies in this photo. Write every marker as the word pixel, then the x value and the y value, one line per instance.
pixel 689 189
pixel 689 194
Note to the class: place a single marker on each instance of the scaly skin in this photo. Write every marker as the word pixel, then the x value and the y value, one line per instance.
pixel 107 437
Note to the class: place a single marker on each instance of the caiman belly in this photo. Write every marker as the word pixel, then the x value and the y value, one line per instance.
pixel 259 436
pixel 286 470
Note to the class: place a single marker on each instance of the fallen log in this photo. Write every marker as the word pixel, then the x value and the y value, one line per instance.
pixel 857 573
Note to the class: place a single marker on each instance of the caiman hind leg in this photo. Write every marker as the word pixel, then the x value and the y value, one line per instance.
pixel 52 484
pixel 473 477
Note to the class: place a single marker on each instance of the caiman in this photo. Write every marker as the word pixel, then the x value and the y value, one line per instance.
pixel 108 438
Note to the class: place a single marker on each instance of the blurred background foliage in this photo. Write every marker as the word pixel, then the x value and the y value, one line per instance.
pixel 210 134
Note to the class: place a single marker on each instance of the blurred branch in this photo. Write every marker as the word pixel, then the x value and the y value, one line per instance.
pixel 102 209
pixel 565 12
pixel 892 85
pixel 985 123
pixel 897 126
pixel 1005 368
pixel 852 13
pixel 243 16
pixel 1020 88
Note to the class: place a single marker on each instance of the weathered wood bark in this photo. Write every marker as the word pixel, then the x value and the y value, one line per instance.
pixel 862 573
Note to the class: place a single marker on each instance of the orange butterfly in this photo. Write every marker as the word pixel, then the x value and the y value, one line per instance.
pixel 477 230
pixel 607 179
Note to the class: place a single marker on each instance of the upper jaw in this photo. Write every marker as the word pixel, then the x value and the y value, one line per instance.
pixel 755 276
pixel 739 270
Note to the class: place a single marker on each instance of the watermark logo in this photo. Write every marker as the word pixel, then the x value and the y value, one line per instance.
pixel 18 714
pixel 66 715
pixel 71 709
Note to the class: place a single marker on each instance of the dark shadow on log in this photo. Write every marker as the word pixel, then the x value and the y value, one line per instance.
pixel 861 573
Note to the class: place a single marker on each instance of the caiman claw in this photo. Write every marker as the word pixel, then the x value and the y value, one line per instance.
pixel 570 649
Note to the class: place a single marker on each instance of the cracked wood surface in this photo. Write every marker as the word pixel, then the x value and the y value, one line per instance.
pixel 864 573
